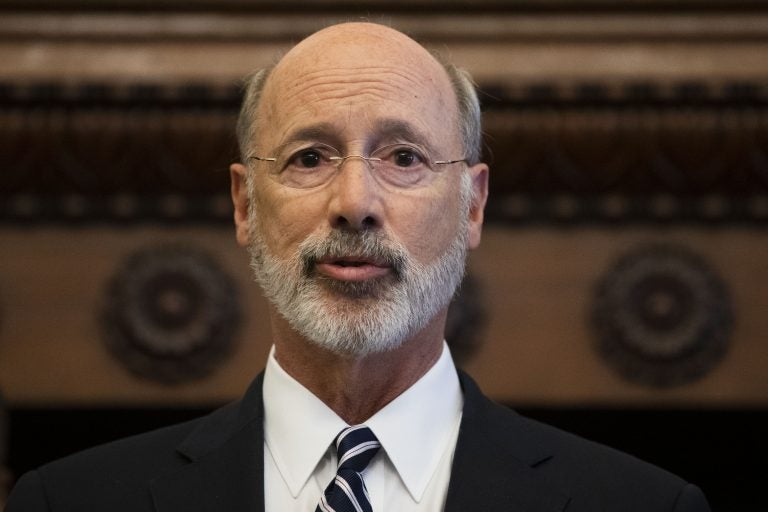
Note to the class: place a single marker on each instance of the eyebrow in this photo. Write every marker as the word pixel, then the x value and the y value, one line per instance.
pixel 386 129
pixel 390 128
pixel 321 131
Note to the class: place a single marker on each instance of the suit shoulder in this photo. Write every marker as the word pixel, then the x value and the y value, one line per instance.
pixel 112 476
pixel 145 453
pixel 595 476
pixel 117 474
pixel 575 450
pixel 539 444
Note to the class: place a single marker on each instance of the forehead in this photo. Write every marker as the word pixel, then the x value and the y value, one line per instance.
pixel 356 79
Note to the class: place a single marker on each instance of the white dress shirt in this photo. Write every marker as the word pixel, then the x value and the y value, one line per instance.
pixel 417 432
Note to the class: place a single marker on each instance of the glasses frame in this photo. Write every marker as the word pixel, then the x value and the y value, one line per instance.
pixel 342 159
pixel 369 160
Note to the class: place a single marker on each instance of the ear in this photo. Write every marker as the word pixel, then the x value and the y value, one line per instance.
pixel 240 200
pixel 479 176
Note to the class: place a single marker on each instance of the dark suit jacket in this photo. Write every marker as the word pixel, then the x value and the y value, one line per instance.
pixel 503 462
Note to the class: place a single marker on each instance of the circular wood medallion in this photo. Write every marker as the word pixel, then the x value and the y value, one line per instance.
pixel 170 314
pixel 662 316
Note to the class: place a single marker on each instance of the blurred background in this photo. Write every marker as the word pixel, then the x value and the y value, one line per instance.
pixel 620 292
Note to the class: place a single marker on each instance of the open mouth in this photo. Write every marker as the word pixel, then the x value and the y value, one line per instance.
pixel 345 263
pixel 353 261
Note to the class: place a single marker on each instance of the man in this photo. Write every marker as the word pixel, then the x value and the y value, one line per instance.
pixel 359 192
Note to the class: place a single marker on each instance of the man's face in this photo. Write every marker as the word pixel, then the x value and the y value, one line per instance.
pixel 355 264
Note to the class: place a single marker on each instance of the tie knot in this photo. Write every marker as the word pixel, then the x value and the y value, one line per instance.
pixel 355 447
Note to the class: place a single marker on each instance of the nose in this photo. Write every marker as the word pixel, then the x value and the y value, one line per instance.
pixel 356 200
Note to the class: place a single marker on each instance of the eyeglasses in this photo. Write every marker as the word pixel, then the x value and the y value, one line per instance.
pixel 400 165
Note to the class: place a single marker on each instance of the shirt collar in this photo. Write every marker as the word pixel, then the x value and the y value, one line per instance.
pixel 416 427
pixel 299 434
pixel 298 426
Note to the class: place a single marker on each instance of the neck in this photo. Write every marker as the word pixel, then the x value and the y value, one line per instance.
pixel 356 387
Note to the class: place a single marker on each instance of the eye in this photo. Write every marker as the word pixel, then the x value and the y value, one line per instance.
pixel 307 158
pixel 404 158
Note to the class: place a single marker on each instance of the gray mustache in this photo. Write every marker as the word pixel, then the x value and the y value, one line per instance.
pixel 357 244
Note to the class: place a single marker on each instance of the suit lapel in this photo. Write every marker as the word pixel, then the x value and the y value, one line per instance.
pixel 493 466
pixel 225 469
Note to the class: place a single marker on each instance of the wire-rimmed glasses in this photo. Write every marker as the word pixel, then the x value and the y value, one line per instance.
pixel 401 165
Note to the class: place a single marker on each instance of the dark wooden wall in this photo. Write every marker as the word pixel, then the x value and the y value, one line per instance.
pixel 623 270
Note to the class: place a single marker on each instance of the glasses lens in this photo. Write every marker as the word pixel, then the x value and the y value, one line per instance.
pixel 402 165
pixel 314 164
pixel 306 167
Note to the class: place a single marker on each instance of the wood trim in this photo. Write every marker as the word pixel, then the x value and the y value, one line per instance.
pixel 436 27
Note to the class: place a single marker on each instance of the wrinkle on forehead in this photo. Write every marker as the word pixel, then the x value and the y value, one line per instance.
pixel 356 94
pixel 362 77
pixel 383 131
pixel 357 63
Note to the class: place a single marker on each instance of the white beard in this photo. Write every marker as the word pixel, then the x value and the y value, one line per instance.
pixel 359 318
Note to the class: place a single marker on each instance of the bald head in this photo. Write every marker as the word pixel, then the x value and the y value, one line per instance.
pixel 354 63
pixel 359 43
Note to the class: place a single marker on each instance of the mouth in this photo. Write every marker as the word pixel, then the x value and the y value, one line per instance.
pixel 352 268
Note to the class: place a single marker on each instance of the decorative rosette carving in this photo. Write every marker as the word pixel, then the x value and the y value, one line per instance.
pixel 662 316
pixel 171 314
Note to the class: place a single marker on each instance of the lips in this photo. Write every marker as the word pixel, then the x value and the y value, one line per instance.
pixel 351 268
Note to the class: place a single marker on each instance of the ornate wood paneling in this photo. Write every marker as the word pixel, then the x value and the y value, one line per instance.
pixel 58 340
pixel 534 339
pixel 617 132
pixel 643 152
pixel 585 160
pixel 541 345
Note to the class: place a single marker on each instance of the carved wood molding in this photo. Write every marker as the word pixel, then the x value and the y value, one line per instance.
pixel 590 152
pixel 440 5
pixel 437 25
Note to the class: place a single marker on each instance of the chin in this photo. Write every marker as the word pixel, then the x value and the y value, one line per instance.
pixel 355 330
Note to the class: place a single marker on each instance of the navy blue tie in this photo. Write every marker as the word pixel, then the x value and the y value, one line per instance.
pixel 355 447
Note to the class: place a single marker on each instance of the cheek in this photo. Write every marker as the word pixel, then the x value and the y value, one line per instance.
pixel 428 226
pixel 285 221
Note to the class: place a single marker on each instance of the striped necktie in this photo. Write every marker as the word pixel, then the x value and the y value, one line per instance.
pixel 355 447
